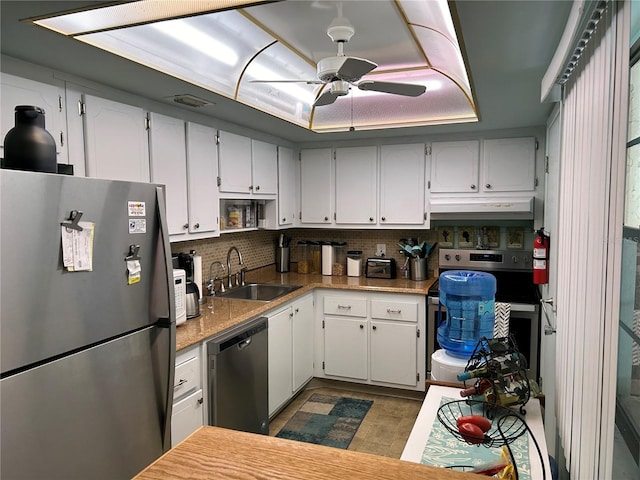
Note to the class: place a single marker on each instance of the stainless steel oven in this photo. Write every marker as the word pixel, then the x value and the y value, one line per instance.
pixel 514 278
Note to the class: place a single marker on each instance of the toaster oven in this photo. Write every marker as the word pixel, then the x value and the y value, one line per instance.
pixel 380 267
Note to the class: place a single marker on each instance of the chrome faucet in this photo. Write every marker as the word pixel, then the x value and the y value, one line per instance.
pixel 240 263
pixel 211 286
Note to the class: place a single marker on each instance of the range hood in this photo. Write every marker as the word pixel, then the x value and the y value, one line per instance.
pixel 507 208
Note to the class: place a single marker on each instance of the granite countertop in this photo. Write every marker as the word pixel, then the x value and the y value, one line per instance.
pixel 219 314
pixel 213 452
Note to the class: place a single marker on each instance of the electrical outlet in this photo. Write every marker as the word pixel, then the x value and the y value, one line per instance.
pixel 381 250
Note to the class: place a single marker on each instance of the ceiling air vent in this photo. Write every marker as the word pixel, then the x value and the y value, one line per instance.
pixel 190 100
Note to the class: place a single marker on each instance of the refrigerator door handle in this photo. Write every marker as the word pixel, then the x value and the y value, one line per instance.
pixel 166 269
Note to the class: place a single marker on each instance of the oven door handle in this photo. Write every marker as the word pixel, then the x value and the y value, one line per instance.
pixel 524 307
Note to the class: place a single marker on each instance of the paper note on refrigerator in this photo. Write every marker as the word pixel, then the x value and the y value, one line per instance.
pixel 77 247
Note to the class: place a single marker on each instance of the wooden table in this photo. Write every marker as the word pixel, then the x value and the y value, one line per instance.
pixel 422 429
pixel 218 453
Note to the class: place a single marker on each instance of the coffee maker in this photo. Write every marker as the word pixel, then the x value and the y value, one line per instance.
pixel 185 262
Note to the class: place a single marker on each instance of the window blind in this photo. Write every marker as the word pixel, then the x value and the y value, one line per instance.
pixel 594 106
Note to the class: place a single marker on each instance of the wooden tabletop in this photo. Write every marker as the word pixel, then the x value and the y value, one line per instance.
pixel 218 453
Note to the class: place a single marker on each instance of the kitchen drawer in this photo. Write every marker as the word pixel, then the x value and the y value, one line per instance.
pixel 346 306
pixel 187 378
pixel 391 310
pixel 186 417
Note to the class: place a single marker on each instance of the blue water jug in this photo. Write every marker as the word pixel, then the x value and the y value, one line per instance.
pixel 469 298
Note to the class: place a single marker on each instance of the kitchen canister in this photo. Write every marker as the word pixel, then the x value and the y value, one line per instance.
pixel 354 263
pixel 339 266
pixel 469 298
pixel 28 146
pixel 327 258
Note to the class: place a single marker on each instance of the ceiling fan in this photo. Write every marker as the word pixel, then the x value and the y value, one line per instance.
pixel 341 71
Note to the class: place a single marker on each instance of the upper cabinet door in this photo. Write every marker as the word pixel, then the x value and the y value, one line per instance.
pixel 202 174
pixel 169 167
pixel 509 165
pixel 264 161
pixel 402 180
pixel 356 185
pixel 287 186
pixel 454 166
pixel 116 142
pixel 316 189
pixel 235 163
pixel 20 91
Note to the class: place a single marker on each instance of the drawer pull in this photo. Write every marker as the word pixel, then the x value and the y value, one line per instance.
pixel 391 310
pixel 344 307
pixel 180 383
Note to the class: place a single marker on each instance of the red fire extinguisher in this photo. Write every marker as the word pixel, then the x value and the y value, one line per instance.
pixel 541 258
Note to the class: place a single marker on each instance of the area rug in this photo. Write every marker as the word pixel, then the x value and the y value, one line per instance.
pixel 326 420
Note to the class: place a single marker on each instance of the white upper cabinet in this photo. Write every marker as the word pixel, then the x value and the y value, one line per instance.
pixel 116 142
pixel 247 166
pixel 167 148
pixel 454 166
pixel 235 163
pixel 264 168
pixel 288 169
pixel 21 91
pixel 402 184
pixel 509 165
pixel 316 186
pixel 356 185
pixel 202 177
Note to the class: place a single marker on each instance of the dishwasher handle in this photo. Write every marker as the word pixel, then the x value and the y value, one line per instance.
pixel 240 338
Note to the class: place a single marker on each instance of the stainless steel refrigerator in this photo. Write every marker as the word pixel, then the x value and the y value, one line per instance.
pixel 87 329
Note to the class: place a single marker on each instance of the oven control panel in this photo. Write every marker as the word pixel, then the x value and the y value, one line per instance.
pixel 486 260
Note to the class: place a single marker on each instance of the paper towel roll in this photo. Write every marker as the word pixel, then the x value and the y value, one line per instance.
pixel 197 274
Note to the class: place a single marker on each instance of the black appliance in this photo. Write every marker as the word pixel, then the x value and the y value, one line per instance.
pixel 513 270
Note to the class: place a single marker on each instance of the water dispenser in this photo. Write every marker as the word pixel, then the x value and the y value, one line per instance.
pixel 469 298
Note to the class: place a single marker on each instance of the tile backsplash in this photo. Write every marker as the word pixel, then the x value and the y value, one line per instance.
pixel 258 247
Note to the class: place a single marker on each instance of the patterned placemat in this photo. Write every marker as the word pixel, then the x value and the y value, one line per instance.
pixel 326 420
pixel 443 449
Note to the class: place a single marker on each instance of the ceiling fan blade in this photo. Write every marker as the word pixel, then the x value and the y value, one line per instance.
pixel 354 68
pixel 327 98
pixel 308 82
pixel 406 89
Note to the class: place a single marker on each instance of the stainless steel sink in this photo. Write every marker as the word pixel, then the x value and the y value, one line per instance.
pixel 262 292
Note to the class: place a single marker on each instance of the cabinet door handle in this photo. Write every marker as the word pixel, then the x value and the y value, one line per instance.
pixel 197 225
pixel 374 327
pixel 391 310
pixel 185 226
pixel 180 383
pixel 361 326
pixel 488 185
pixel 344 307
pixel 257 187
pixel 384 219
pixel 326 219
pixel 284 219
pixel 371 219
pixel 250 187
pixel 473 187
pixel 297 310
pixel 200 400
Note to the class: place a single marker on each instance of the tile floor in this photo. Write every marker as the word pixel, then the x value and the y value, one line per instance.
pixel 384 430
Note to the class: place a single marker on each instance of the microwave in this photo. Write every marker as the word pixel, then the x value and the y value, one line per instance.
pixel 180 292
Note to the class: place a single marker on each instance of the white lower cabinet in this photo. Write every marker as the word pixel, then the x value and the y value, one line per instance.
pixel 291 343
pixel 345 347
pixel 280 372
pixel 373 338
pixel 188 396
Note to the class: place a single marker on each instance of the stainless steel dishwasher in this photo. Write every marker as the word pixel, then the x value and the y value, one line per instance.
pixel 238 378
